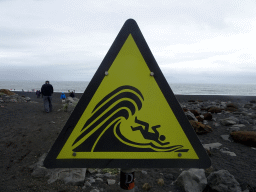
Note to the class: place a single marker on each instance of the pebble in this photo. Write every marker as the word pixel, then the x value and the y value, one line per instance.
pixel 225 137
pixel 111 181
pixel 144 172
pixel 99 179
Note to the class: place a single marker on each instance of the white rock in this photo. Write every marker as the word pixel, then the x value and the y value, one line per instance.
pixel 192 180
pixel 212 145
pixel 111 181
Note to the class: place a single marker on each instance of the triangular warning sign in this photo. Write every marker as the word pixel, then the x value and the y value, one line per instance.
pixel 128 116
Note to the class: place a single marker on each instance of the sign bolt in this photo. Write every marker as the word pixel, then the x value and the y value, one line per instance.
pixel 74 154
pixel 106 73
pixel 179 154
pixel 151 73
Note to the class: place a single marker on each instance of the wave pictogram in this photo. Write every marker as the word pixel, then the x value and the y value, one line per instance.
pixel 101 131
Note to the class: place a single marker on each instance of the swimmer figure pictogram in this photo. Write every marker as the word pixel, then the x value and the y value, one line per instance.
pixel 148 135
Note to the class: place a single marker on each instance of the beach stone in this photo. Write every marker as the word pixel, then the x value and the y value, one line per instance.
pixel 192 180
pixel 199 118
pixel 225 137
pixel 160 182
pixel 214 110
pixel 87 184
pixel 207 116
pixel 146 187
pixel 111 181
pixel 144 172
pixel 243 121
pixel 195 112
pixel 233 128
pixel 190 116
pixel 212 146
pixel 99 179
pixel 248 105
pixel 223 181
pixel 200 128
pixel 7 92
pixel 227 121
pixel 244 137
pixel 229 153
pixel 95 190
pixel 74 176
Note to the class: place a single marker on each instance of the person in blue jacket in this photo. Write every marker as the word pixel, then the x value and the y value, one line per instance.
pixel 63 96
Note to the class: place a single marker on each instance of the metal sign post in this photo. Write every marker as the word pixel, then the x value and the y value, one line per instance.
pixel 127 180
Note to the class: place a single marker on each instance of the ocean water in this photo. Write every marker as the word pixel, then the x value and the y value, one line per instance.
pixel 177 88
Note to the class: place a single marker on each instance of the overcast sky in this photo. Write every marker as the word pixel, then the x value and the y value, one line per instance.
pixel 193 41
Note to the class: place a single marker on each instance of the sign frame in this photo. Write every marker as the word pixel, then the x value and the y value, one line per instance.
pixel 130 27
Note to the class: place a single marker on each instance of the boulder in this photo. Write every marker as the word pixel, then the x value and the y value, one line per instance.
pixel 200 128
pixel 223 181
pixel 207 116
pixel 244 137
pixel 192 180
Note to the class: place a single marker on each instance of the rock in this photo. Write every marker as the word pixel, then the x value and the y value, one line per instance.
pixel 192 180
pixel 233 128
pixel 248 105
pixel 7 92
pixel 212 146
pixel 199 118
pixel 243 121
pixel 214 110
pixel 160 182
pixel 111 181
pixel 229 153
pixel 91 180
pixel 169 176
pixel 87 184
pixel 144 172
pixel 207 116
pixel 190 116
pixel 95 190
pixel 231 107
pixel 225 137
pixel 146 187
pixel 74 176
pixel 195 112
pixel 253 101
pixel 223 181
pixel 227 122
pixel 38 168
pixel 27 98
pixel 99 179
pixel 245 137
pixel 200 128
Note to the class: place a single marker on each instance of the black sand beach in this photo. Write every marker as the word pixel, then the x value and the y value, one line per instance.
pixel 27 132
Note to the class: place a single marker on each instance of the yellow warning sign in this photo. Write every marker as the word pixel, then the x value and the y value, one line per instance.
pixel 128 116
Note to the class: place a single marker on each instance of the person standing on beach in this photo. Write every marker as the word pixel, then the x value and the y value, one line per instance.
pixel 47 91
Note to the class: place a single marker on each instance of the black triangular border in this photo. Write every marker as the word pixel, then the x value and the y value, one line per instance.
pixel 130 27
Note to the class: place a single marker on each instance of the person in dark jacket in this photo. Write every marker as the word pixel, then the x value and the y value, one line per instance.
pixel 47 91
pixel 72 94
pixel 38 93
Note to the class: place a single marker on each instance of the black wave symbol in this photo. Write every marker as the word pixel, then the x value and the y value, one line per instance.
pixel 100 130
pixel 110 110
